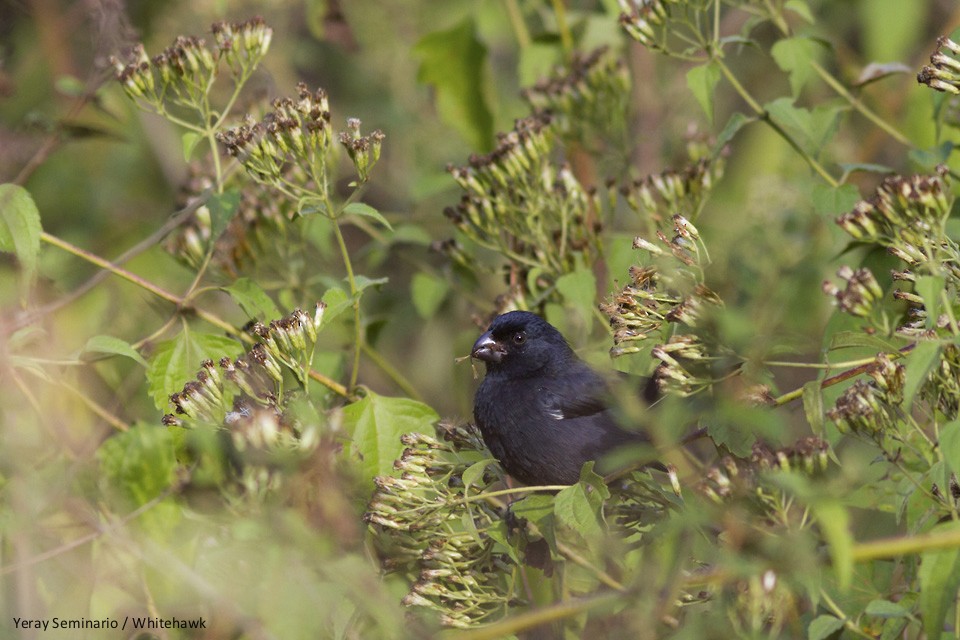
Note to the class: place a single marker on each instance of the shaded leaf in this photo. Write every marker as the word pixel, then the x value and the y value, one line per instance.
pixel 114 346
pixel 702 81
pixel 950 444
pixel 223 206
pixel 454 62
pixel 939 576
pixel 830 201
pixel 20 228
pixel 176 361
pixel 253 299
pixel 813 405
pixel 795 55
pixel 885 609
pixel 823 627
pixel 877 71
pixel 834 522
pixel 374 425
pixel 427 292
pixel 362 209
pixel 736 122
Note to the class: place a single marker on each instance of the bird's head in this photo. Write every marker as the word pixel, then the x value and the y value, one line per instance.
pixel 521 343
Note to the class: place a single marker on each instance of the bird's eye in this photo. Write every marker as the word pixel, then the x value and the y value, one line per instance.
pixel 519 337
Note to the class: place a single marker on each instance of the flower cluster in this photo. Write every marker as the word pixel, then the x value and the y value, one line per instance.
pixel 873 407
pixel 733 478
pixel 673 192
pixel 420 524
pixel 943 74
pixel 184 72
pixel 592 91
pixel 685 365
pixel 296 135
pixel 671 292
pixel 262 211
pixel 645 21
pixel 364 151
pixel 284 344
pixel 859 296
pixel 518 202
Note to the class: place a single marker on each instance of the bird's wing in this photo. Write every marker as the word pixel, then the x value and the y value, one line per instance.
pixel 574 396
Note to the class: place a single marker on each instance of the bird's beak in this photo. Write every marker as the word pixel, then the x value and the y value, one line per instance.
pixel 487 349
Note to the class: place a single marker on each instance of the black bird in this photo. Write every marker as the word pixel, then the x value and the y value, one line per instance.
pixel 542 411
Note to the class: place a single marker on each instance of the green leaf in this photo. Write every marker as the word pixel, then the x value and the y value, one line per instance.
pixel 848 339
pixel 363 282
pixel 929 288
pixel 188 142
pixel 374 425
pixel 176 361
pixel 579 289
pixel 20 229
pixel 253 299
pixel 795 56
pixel 223 206
pixel 362 209
pixel 337 301
pixel 536 61
pixel 885 609
pixel 939 576
pixel 455 63
pixel 950 444
pixel 702 81
pixel 115 346
pixel 823 627
pixel 929 159
pixel 831 201
pixel 801 8
pixel 809 129
pixel 813 405
pixel 474 473
pixel 736 122
pixel 868 167
pixel 427 292
pixel 834 521
pixel 919 363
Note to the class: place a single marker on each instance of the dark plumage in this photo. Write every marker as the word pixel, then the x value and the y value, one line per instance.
pixel 541 409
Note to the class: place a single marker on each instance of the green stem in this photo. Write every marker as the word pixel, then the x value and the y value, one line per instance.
pixel 905 545
pixel 566 38
pixel 163 294
pixel 763 115
pixel 517 23
pixel 392 372
pixel 538 617
pixel 358 329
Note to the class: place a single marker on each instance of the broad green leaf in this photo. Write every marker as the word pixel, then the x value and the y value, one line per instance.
pixel 374 425
pixel 939 576
pixel 455 63
pixel 176 361
pixel 868 167
pixel 115 346
pixel 253 299
pixel 474 473
pixel 337 301
pixel 189 141
pixel 822 627
pixel 834 522
pixel 427 292
pixel 886 609
pixel 536 61
pixel 736 122
pixel 813 406
pixel 919 363
pixel 579 289
pixel 20 228
pixel 363 283
pixel 809 129
pixel 580 506
pixel 950 444
pixel 831 201
pixel 137 466
pixel 702 81
pixel 929 288
pixel 795 56
pixel 363 209
pixel 223 206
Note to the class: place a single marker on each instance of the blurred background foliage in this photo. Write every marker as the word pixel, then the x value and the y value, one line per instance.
pixel 258 525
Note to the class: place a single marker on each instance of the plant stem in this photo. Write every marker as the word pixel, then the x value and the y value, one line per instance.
pixel 358 329
pixel 765 116
pixel 179 302
pixel 392 372
pixel 905 545
pixel 566 38
pixel 538 617
pixel 517 23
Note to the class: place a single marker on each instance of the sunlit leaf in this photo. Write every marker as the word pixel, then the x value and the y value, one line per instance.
pixel 365 210
pixel 939 576
pixel 20 228
pixel 176 361
pixel 919 363
pixel 115 346
pixel 795 56
pixel 702 80
pixel 822 627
